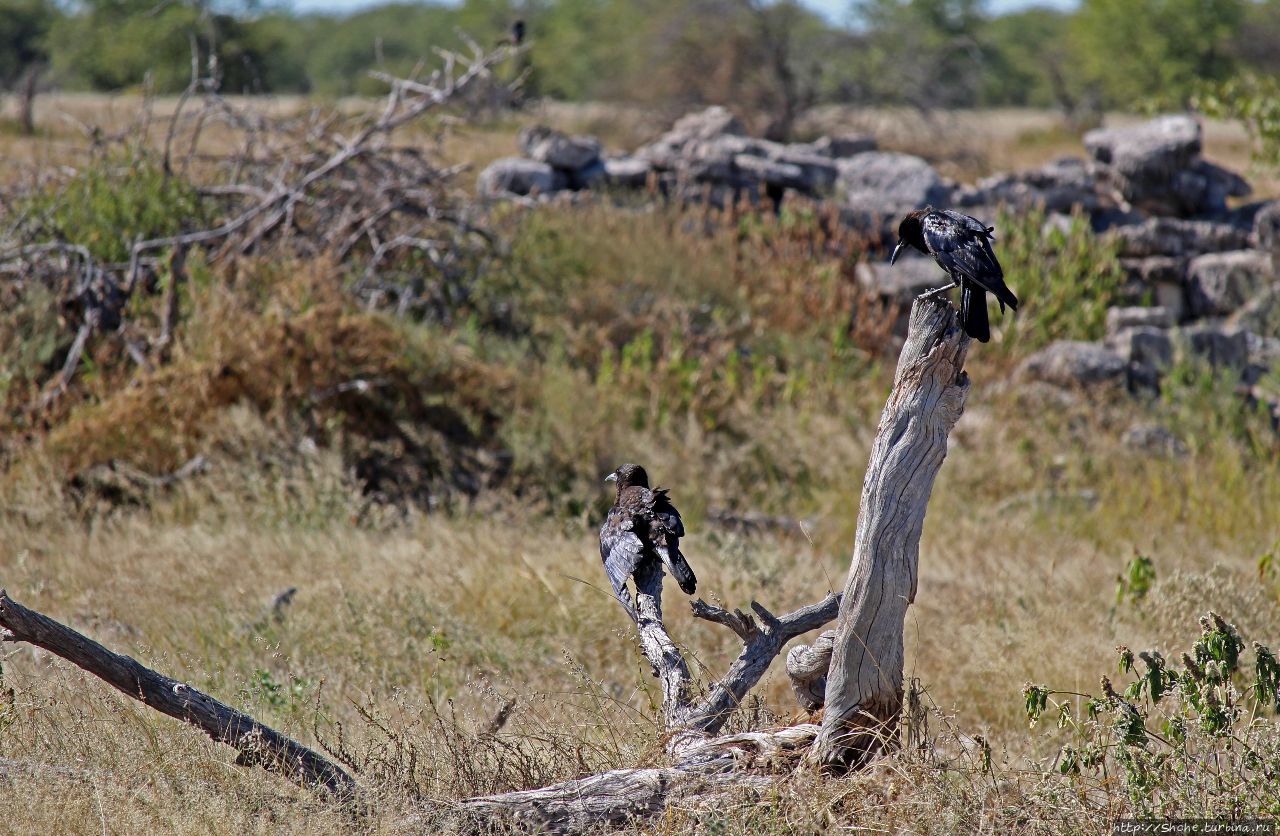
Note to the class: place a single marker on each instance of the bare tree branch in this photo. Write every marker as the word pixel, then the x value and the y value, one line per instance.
pixel 257 744
pixel 807 665
pixel 325 183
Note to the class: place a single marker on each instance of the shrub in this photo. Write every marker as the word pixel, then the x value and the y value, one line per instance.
pixel 109 205
pixel 1185 738
pixel 1065 280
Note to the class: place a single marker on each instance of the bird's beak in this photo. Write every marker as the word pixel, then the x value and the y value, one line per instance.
pixel 612 477
pixel 896 250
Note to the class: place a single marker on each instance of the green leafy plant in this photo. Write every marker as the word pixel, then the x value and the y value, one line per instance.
pixel 1066 279
pixel 1202 719
pixel 1253 100
pixel 1136 580
pixel 286 697
pixel 112 203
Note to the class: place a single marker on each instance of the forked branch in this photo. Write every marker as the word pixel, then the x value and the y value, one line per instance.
pixel 763 637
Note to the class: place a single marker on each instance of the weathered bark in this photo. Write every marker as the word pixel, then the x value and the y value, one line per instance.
pixel 257 744
pixel 761 641
pixel 658 647
pixel 864 685
pixel 807 665
pixel 706 771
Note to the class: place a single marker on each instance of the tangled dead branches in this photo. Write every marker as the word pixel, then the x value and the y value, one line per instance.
pixel 351 185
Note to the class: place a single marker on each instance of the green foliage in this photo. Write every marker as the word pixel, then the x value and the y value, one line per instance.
pixel 929 53
pixel 1136 580
pixel 1254 101
pixel 1200 403
pixel 337 53
pixel 108 206
pixel 117 44
pixel 773 58
pixel 1065 280
pixel 284 697
pixel 24 32
pixel 1169 720
pixel 1030 61
pixel 1130 50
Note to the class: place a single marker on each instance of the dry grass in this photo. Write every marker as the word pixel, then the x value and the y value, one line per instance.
pixel 965 145
pixel 429 622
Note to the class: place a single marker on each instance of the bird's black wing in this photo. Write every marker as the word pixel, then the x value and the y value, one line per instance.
pixel 665 511
pixel 962 246
pixel 620 548
pixel 667 536
pixel 969 222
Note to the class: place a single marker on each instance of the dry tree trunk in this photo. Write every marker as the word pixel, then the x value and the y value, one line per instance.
pixel 864 684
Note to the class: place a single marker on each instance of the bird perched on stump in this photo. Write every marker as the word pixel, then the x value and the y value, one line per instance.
pixel 962 246
pixel 642 526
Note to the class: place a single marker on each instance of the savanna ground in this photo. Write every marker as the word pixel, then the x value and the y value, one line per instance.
pixel 440 527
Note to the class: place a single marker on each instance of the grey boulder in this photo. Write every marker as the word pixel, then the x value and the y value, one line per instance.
pixel 1072 363
pixel 519 176
pixel 887 184
pixel 1220 283
pixel 568 153
pixel 1177 237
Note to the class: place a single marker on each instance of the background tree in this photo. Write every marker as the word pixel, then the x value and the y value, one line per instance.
pixel 767 59
pixel 1136 50
pixel 926 53
pixel 116 44
pixel 24 51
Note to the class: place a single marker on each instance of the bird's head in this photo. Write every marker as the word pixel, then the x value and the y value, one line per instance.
pixel 911 232
pixel 628 476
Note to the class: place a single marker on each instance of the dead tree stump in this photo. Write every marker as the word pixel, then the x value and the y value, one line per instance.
pixel 864 683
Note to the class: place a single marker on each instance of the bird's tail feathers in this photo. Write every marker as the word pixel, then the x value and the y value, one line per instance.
pixel 973 313
pixel 679 568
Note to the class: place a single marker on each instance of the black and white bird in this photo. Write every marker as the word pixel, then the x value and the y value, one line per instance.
pixel 642 526
pixel 962 246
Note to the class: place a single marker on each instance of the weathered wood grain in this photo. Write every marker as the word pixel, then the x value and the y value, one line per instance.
pixel 864 684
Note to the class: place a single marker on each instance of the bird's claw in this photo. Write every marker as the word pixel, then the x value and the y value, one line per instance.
pixel 929 294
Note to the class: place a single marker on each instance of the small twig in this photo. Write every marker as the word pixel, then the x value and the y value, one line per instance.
pixel 177 275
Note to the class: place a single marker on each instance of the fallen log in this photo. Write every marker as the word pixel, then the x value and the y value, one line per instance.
pixel 257 743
